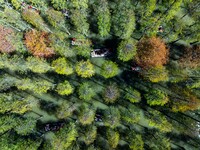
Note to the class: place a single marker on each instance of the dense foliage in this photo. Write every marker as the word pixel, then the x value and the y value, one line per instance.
pixel 99 75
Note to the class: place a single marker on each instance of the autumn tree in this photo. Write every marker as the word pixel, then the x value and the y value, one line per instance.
pixel 62 66
pixel 16 3
pixel 6 35
pixel 126 50
pixel 184 100
pixel 109 69
pixel 38 43
pixel 152 52
pixel 85 69
pixel 64 88
pixel 191 57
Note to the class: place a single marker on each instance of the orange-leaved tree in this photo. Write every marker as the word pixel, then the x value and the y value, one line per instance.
pixel 38 43
pixel 6 36
pixel 191 57
pixel 151 52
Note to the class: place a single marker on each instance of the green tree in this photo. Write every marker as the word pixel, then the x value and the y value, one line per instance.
pixel 89 134
pixel 59 4
pixel 61 45
pixel 123 19
pixel 103 17
pixel 16 3
pixel 159 142
pixel 79 20
pixel 26 126
pixel 86 114
pixel 111 93
pixel 13 103
pixel 126 49
pixel 33 17
pixel 131 114
pixel 85 69
pixel 155 74
pixel 64 88
pixel 132 95
pixel 159 121
pixel 156 97
pixel 136 142
pixel 113 138
pixel 65 110
pixel 109 69
pixel 61 66
pixel 86 91
pixel 38 86
pixel 112 117
pixel 64 138
pixel 57 20
pixel 37 65
pixel 7 122
pixel 13 19
pixel 6 82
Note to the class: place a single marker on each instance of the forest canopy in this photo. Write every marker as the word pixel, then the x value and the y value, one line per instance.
pixel 99 75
